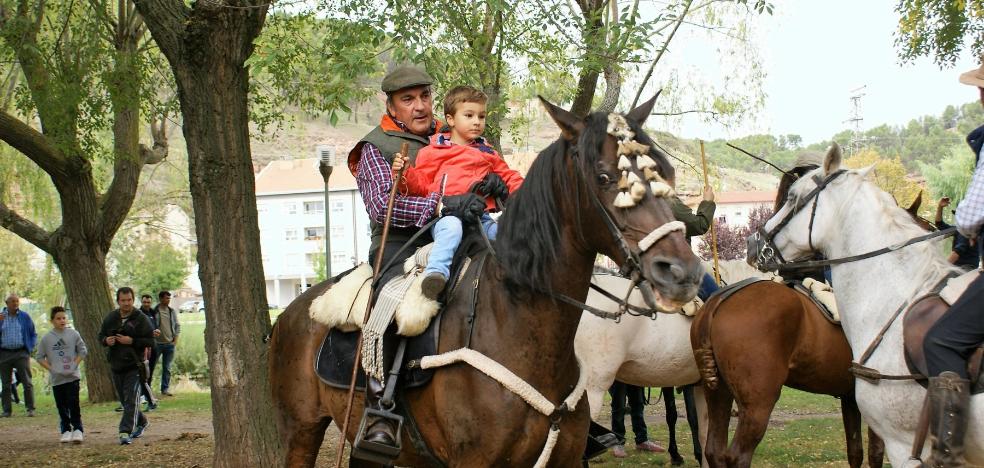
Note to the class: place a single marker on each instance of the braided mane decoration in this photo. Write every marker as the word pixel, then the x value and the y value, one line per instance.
pixel 631 188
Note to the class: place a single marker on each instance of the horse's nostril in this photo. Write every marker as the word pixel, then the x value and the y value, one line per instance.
pixel 669 270
pixel 677 271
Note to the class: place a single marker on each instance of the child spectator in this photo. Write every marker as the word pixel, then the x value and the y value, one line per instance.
pixel 461 160
pixel 60 352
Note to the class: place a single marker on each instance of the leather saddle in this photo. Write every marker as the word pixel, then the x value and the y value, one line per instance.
pixel 336 356
pixel 921 316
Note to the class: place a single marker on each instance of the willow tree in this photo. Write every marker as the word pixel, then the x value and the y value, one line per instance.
pixel 83 72
pixel 940 29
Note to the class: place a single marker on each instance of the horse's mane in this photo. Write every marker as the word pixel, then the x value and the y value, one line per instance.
pixel 933 265
pixel 528 239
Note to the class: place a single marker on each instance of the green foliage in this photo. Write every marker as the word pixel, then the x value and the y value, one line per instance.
pixel 190 358
pixel 319 65
pixel 889 175
pixel 951 177
pixel 940 29
pixel 148 265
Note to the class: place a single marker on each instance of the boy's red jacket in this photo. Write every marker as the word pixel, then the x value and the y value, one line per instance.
pixel 464 164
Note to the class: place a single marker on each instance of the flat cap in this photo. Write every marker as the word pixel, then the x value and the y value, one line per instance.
pixel 405 76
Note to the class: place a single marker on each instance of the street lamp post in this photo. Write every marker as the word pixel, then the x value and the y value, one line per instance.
pixel 325 167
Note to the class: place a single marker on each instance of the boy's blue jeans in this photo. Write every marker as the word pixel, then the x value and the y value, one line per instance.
pixel 447 234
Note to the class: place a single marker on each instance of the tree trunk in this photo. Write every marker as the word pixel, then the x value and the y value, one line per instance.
pixel 593 34
pixel 213 88
pixel 83 270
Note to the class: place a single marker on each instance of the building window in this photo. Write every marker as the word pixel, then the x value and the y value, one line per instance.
pixel 310 258
pixel 314 233
pixel 339 257
pixel 722 219
pixel 337 206
pixel 290 208
pixel 314 207
pixel 337 231
pixel 261 208
pixel 290 234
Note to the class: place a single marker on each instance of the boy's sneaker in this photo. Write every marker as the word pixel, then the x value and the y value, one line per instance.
pixel 618 451
pixel 77 436
pixel 139 430
pixel 150 407
pixel 66 437
pixel 433 284
pixel 119 409
pixel 30 413
pixel 125 439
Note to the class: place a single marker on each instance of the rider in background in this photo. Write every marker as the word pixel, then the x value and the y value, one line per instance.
pixel 950 342
pixel 697 224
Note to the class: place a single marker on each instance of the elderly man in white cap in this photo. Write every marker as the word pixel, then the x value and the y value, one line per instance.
pixel 950 342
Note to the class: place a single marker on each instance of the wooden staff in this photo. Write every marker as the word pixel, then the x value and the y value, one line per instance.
pixel 714 242
pixel 377 264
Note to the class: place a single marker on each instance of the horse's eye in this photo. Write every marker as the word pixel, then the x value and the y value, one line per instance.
pixel 604 179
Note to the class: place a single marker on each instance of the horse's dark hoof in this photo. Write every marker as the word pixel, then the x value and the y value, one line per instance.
pixel 676 461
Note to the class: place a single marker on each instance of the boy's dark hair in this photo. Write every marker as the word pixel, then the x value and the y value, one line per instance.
pixel 124 290
pixel 55 310
pixel 460 95
pixel 162 294
pixel 146 296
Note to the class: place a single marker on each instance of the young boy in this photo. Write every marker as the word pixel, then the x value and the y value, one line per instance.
pixel 459 159
pixel 60 353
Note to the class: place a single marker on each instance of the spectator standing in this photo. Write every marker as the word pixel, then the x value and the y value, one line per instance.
pixel 150 355
pixel 127 333
pixel 60 352
pixel 166 337
pixel 637 404
pixel 17 340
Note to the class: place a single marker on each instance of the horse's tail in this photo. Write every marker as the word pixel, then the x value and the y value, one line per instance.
pixel 703 350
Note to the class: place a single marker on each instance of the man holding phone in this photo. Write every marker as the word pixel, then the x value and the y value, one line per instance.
pixel 127 334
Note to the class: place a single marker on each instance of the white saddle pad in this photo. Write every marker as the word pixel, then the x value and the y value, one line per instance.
pixel 955 287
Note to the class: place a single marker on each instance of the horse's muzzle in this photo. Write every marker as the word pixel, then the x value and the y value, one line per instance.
pixel 760 253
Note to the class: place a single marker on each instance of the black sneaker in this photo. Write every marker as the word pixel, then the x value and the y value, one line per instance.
pixel 119 409
pixel 139 430
pixel 433 284
pixel 125 439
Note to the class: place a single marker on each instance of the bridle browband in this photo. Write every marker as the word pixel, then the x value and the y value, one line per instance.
pixel 769 257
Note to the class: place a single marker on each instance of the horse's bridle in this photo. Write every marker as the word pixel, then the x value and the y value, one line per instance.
pixel 762 242
pixel 762 246
pixel 632 268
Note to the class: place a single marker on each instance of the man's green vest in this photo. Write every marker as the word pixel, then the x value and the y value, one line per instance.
pixel 389 143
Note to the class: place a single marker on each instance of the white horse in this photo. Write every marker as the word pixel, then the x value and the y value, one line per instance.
pixel 636 350
pixel 853 216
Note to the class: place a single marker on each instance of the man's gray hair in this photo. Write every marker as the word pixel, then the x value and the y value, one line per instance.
pixel 11 297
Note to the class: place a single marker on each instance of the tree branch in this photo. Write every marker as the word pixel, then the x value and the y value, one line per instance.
pixel 168 18
pixel 666 44
pixel 693 111
pixel 33 144
pixel 24 228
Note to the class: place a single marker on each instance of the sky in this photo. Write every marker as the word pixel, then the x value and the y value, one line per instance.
pixel 814 53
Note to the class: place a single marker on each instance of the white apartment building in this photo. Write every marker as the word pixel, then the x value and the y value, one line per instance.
pixel 290 199
pixel 734 208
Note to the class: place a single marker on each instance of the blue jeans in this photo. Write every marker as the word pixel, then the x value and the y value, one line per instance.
pixel 447 234
pixel 166 353
pixel 707 287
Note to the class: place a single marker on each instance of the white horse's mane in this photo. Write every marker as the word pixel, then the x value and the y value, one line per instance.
pixel 934 266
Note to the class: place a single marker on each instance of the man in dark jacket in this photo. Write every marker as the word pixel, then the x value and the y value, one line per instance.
pixel 127 333
pixel 958 333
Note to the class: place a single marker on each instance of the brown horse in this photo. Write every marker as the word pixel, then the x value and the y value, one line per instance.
pixel 548 239
pixel 762 337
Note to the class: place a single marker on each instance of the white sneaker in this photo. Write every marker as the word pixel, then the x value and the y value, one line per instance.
pixel 66 437
pixel 77 436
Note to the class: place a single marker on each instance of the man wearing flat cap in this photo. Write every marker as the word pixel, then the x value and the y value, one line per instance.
pixel 951 341
pixel 409 119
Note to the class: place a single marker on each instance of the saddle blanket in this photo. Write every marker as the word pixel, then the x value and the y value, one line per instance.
pixel 955 287
pixel 341 306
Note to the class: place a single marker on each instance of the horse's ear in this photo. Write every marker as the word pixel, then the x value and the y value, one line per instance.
pixel 570 125
pixel 914 207
pixel 641 113
pixel 832 161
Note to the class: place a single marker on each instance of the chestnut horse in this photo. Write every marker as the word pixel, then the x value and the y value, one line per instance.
pixel 548 239
pixel 762 337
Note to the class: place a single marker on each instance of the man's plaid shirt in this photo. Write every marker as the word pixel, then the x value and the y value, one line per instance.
pixel 970 213
pixel 375 179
